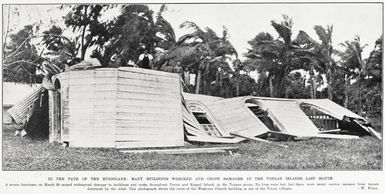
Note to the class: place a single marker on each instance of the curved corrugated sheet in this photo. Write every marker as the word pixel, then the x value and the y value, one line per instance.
pixel 331 108
pixel 21 109
pixel 290 116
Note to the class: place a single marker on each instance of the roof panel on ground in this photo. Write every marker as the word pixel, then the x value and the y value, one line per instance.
pixel 331 108
pixel 290 115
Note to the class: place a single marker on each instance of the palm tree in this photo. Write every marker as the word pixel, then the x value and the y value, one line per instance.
pixel 201 51
pixel 354 64
pixel 85 19
pixel 278 57
pixel 325 51
pixel 238 67
pixel 261 58
pixel 60 47
pixel 315 64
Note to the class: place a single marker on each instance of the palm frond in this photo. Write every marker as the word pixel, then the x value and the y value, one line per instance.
pixel 284 28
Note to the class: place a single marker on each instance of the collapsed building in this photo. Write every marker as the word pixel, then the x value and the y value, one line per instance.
pixel 129 107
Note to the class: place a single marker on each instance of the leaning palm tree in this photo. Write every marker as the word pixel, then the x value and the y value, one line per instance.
pixel 325 52
pixel 316 64
pixel 263 58
pixel 278 57
pixel 199 51
pixel 354 64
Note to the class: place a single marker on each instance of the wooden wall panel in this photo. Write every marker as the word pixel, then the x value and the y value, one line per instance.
pixel 93 108
pixel 124 108
pixel 149 112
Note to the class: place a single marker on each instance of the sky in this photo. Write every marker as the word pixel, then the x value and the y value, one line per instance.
pixel 245 21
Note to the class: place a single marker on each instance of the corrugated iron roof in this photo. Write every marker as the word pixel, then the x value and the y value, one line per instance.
pixel 231 114
pixel 290 116
pixel 21 109
pixel 331 108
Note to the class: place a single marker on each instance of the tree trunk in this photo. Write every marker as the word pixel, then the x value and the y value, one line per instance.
pixel 6 32
pixel 271 88
pixel 198 81
pixel 329 78
pixel 237 86
pixel 186 77
pixel 359 97
pixel 314 88
pixel 312 84
pixel 346 92
pixel 220 79
pixel 83 47
pixel 205 87
pixel 311 88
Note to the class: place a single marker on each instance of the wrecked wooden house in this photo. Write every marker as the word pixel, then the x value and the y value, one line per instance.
pixel 331 118
pixel 275 118
pixel 137 108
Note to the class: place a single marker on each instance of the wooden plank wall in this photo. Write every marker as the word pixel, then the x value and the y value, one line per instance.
pixel 92 107
pixel 149 109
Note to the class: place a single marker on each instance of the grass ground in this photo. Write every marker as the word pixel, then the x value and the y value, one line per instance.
pixel 321 154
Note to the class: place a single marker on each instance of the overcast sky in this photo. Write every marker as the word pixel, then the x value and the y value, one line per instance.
pixel 244 21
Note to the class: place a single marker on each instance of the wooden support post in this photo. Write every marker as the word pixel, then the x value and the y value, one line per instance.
pixel 51 116
pixel 54 116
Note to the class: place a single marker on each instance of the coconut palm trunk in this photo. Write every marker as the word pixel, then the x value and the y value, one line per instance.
pixel 237 85
pixel 359 96
pixel 330 84
pixel 346 91
pixel 271 87
pixel 198 81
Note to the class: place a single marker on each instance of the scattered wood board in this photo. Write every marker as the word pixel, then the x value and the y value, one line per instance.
pixel 277 135
pixel 209 139
pixel 256 139
pixel 330 131
pixel 184 151
pixel 336 136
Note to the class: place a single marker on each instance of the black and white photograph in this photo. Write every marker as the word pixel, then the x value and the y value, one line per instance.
pixel 226 86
